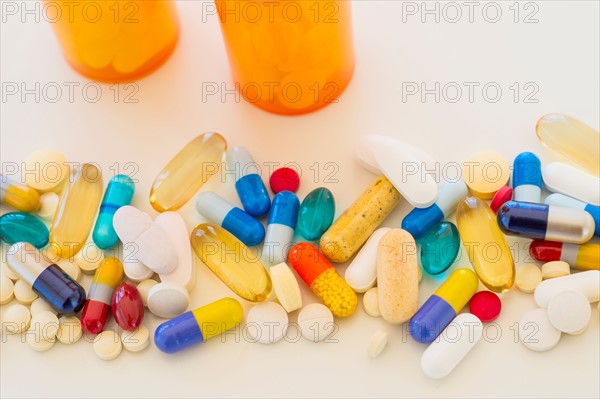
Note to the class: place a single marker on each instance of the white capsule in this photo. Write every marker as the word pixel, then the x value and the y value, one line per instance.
pixel 566 179
pixel 362 272
pixel 587 283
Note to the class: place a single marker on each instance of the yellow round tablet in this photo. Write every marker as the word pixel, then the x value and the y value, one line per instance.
pixel 371 302
pixel 39 345
pixel 89 258
pixel 49 203
pixel 528 277
pixel 16 319
pixel 137 340
pixel 485 173
pixel 107 345
pixel 7 271
pixel 24 293
pixel 70 268
pixel 46 170
pixel 144 287
pixel 6 290
pixel 40 305
pixel 557 268
pixel 69 330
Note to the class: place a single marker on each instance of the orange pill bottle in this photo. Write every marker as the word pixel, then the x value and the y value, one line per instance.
pixel 290 56
pixel 114 40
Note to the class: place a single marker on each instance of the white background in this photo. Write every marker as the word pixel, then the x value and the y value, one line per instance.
pixel 559 54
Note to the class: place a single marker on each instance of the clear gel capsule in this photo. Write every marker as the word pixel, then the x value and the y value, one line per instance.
pixel 280 228
pixel 18 195
pixel 118 193
pixel 545 222
pixel 189 169
pixel 527 178
pixel 568 202
pixel 249 185
pixel 76 210
pixel 485 244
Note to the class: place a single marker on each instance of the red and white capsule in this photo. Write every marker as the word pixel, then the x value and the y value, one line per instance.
pixel 97 306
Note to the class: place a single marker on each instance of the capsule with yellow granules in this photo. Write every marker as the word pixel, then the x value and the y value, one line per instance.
pixel 316 271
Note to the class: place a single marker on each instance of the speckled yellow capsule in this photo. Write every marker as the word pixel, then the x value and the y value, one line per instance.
pixel 316 271
pixel 352 229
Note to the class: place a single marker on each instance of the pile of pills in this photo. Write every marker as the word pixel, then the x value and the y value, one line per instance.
pixel 143 263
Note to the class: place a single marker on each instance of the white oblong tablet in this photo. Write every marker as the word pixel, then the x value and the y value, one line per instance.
pixel 107 345
pixel 133 268
pixel 40 305
pixel 71 268
pixel 566 179
pixel 536 332
pixel 554 269
pixel 49 203
pixel 44 325
pixel 16 319
pixel 453 344
pixel 69 330
pixel 267 322
pixel 185 271
pixel 129 223
pixel 569 312
pixel 365 150
pixel 361 274
pixel 24 293
pixel 6 290
pixel 315 322
pixel 168 300
pixel 587 283
pixel 144 288
pixel 286 287
pixel 136 340
pixel 371 302
pixel 377 343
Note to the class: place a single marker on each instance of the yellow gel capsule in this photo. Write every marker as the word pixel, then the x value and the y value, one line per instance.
pixel 19 196
pixel 232 262
pixel 187 172
pixel 485 244
pixel 350 231
pixel 76 210
pixel 572 139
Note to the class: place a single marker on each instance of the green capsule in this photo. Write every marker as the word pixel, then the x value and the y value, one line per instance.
pixel 316 214
pixel 20 226
pixel 439 247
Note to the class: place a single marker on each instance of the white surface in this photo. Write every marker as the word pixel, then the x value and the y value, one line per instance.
pixel 559 54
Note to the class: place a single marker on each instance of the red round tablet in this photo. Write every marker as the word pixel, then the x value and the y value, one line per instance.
pixel 284 179
pixel 503 195
pixel 485 305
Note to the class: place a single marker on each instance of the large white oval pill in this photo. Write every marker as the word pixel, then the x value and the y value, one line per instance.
pixel 566 179
pixel 185 271
pixel 587 283
pixel 361 274
pixel 569 312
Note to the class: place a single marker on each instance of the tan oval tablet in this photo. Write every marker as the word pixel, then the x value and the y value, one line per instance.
pixel 397 276
pixel 557 268
pixel 528 277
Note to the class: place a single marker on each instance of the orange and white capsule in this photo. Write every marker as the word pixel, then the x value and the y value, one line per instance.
pixel 97 306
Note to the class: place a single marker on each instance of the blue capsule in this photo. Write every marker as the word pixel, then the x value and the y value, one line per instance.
pixel 527 178
pixel 280 228
pixel 118 193
pixel 249 185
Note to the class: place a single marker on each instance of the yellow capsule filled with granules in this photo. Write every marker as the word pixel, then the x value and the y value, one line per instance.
pixel 352 229
pixel 232 261
pixel 187 172
pixel 322 278
pixel 18 195
pixel 485 244
pixel 76 210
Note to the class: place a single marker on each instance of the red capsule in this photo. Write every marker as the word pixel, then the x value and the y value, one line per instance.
pixel 97 306
pixel 127 306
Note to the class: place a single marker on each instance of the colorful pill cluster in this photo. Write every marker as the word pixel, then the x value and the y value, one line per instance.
pixel 303 240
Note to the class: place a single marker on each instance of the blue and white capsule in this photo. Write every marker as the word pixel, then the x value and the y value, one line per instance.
pixel 280 228
pixel 527 178
pixel 220 211
pixel 249 185
pixel 46 279
pixel 420 220
pixel 546 222
pixel 119 192
pixel 569 202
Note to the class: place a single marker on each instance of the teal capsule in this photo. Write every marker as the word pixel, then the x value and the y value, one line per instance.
pixel 23 227
pixel 118 193
pixel 316 214
pixel 439 247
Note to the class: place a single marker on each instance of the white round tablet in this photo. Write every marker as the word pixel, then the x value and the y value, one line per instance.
pixel 49 203
pixel 168 300
pixel 89 258
pixel 557 268
pixel 70 268
pixel 7 288
pixel 377 343
pixel 371 302
pixel 267 322
pixel 16 319
pixel 144 288
pixel 44 325
pixel 316 322
pixel 536 332
pixel 569 312
pixel 69 330
pixel 136 340
pixel 24 293
pixel 107 345
pixel 40 305
pixel 39 345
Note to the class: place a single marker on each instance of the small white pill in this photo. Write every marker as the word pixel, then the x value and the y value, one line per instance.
pixel 286 287
pixel 377 343
pixel 316 322
pixel 7 271
pixel 107 345
pixel 557 268
pixel 24 293
pixel 49 203
pixel 569 312
pixel 361 274
pixel 134 269
pixel 69 330
pixel 267 322
pixel 70 268
pixel 137 340
pixel 89 258
pixel 144 288
pixel 168 300
pixel 44 325
pixel 587 283
pixel 7 288
pixel 39 345
pixel 40 305
pixel 528 277
pixel 16 319
pixel 536 332
pixel 371 302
